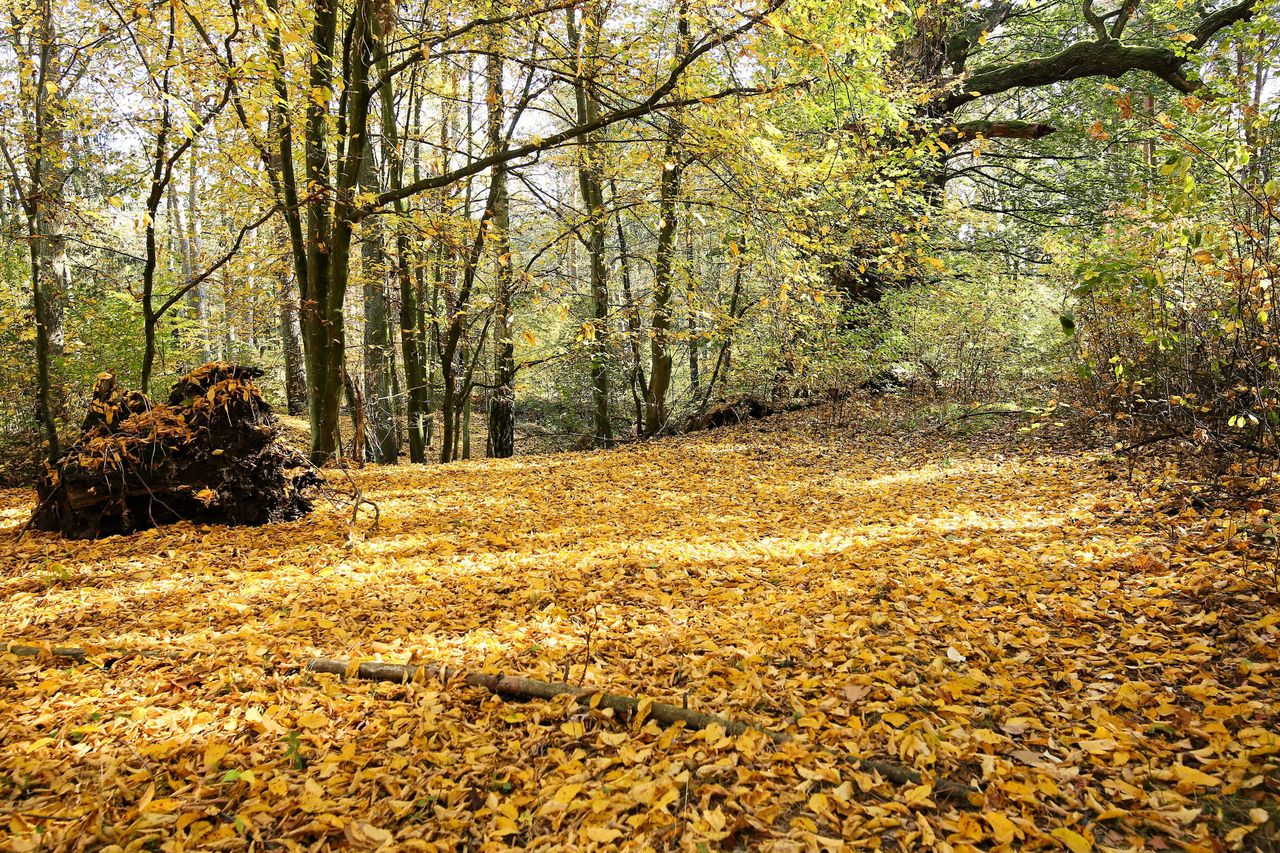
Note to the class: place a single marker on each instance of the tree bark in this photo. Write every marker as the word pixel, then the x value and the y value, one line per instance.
pixel 502 401
pixel 322 248
pixel 635 376
pixel 417 390
pixel 384 443
pixel 295 378
pixel 590 185
pixel 660 363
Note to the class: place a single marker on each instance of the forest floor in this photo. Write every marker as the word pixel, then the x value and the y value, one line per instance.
pixel 994 611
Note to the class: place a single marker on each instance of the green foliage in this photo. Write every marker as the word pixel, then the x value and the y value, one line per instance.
pixel 967 335
pixel 1176 300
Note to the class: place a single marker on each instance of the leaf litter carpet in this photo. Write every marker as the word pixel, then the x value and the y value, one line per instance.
pixel 1005 616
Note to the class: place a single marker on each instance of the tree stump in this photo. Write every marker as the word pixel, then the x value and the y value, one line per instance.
pixel 725 412
pixel 211 454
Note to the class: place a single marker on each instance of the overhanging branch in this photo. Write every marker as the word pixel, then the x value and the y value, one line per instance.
pixel 1107 57
pixel 997 130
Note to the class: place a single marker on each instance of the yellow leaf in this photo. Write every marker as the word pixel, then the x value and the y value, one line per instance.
pixel 1193 776
pixel 313 720
pixel 602 834
pixel 1002 829
pixel 567 793
pixel 164 805
pixel 895 719
pixel 213 753
pixel 1072 840
pixel 530 339
pixel 503 825
pixel 573 728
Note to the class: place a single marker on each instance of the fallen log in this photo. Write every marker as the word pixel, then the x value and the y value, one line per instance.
pixel 517 687
pixel 103 658
pixel 735 410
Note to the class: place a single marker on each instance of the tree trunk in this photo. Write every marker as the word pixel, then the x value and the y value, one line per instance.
pixel 694 379
pixel 655 410
pixel 295 379
pixel 197 300
pixel 724 357
pixel 635 376
pixel 589 183
pixel 502 402
pixel 383 441
pixel 44 399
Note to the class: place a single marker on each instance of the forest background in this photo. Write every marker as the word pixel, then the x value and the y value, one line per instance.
pixel 491 227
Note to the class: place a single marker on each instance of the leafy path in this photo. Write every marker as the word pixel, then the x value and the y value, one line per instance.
pixel 1003 616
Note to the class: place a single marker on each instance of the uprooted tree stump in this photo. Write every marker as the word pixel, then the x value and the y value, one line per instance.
pixel 735 410
pixel 211 454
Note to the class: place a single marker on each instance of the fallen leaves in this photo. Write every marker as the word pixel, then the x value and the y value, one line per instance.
pixel 988 615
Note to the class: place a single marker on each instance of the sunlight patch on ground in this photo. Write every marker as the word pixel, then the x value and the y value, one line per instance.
pixel 976 619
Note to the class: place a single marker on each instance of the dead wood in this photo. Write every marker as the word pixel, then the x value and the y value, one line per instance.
pixel 211 454
pixel 735 410
pixel 517 687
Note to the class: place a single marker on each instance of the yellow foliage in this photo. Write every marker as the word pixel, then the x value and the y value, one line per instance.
pixel 1005 617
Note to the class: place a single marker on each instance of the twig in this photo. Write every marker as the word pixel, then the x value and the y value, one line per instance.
pixel 1155 439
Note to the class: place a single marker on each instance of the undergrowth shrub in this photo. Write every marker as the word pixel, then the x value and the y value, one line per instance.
pixel 965 337
pixel 1176 307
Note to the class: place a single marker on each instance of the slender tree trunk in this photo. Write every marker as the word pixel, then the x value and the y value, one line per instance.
pixel 180 244
pixel 41 97
pixel 197 299
pixel 502 400
pixel 383 443
pixel 358 451
pixel 44 401
pixel 635 376
pixel 295 378
pixel 590 185
pixel 417 403
pixel 655 413
pixel 694 379
pixel 161 174
pixel 724 357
